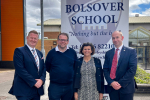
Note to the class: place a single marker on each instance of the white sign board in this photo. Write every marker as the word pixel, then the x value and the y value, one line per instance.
pixel 94 21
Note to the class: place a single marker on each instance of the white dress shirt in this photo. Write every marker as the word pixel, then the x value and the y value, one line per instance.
pixel 119 51
pixel 30 48
pixel 57 49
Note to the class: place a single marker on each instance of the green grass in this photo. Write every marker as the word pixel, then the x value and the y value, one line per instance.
pixel 142 77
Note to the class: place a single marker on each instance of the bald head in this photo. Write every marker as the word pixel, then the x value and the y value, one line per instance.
pixel 117 38
pixel 117 32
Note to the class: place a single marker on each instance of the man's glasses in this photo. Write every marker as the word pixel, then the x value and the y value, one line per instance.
pixel 62 40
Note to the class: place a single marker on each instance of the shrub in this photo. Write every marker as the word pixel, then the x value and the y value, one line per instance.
pixel 142 77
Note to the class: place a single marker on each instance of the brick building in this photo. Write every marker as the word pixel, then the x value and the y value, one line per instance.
pixel 52 28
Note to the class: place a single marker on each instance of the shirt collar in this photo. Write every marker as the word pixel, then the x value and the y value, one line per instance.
pixel 30 47
pixel 119 47
pixel 59 50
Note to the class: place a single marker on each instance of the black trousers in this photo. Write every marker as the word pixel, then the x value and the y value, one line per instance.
pixel 33 97
pixel 60 91
pixel 116 95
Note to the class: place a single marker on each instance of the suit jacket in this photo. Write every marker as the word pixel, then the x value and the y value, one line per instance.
pixel 26 72
pixel 99 75
pixel 126 69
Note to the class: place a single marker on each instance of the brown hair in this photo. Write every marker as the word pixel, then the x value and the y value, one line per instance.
pixel 87 44
pixel 33 31
pixel 63 34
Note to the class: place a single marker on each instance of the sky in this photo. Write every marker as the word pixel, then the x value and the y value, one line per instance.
pixel 52 10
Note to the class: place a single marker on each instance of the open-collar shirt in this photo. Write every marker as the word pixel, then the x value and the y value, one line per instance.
pixel 57 49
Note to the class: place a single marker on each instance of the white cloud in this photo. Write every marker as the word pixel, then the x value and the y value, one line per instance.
pixel 147 12
pixel 33 12
pixel 138 2
pixel 134 5
pixel 52 10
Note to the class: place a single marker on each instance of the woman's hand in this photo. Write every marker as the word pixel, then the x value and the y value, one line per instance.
pixel 100 96
pixel 76 96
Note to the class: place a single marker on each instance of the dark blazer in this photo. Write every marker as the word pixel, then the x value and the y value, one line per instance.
pixel 126 69
pixel 99 75
pixel 26 72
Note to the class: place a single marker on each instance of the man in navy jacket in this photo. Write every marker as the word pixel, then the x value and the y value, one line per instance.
pixel 122 86
pixel 30 71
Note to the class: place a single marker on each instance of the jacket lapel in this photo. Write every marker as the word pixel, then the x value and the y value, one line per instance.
pixel 122 55
pixel 30 54
pixel 80 60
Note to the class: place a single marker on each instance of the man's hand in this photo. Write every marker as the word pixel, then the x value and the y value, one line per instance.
pixel 100 96
pixel 76 96
pixel 116 85
pixel 39 83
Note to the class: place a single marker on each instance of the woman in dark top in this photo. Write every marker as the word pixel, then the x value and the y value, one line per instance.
pixel 88 79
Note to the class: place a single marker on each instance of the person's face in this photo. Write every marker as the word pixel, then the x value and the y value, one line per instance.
pixel 117 39
pixel 62 42
pixel 32 39
pixel 87 50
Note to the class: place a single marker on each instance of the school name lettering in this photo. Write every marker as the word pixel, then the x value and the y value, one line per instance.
pixel 111 6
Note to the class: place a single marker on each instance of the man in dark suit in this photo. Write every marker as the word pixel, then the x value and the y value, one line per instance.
pixel 119 69
pixel 30 71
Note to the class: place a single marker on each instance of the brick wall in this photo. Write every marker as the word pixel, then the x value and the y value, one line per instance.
pixel 48 45
pixel 51 35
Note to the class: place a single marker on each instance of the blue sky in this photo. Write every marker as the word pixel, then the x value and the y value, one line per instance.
pixel 142 8
pixel 52 10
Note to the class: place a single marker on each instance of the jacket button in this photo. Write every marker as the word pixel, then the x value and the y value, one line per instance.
pixel 98 68
pixel 77 73
pixel 99 75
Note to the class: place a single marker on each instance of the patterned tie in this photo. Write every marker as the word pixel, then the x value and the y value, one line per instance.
pixel 35 57
pixel 114 66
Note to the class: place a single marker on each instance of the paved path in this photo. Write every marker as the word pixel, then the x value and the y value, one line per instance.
pixel 6 78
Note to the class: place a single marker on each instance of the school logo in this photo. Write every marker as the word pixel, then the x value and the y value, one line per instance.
pixel 94 20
